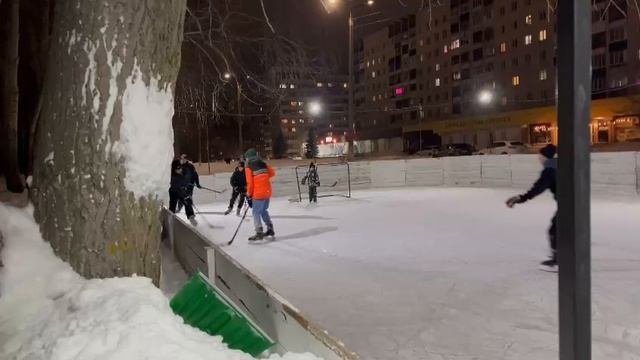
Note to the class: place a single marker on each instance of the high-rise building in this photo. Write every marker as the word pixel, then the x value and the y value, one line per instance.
pixel 479 71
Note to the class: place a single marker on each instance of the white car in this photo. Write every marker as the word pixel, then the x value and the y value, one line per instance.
pixel 505 147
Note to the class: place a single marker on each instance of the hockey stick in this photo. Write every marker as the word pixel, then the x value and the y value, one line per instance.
pixel 204 217
pixel 215 191
pixel 240 224
pixel 332 185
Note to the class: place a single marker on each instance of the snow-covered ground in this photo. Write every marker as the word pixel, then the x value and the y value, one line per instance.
pixel 441 273
pixel 49 312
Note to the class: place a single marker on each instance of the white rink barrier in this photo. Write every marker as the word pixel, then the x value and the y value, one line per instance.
pixel 280 320
pixel 614 173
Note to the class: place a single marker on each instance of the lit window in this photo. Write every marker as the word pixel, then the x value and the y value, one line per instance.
pixel 527 40
pixel 300 103
pixel 301 121
pixel 503 47
pixel 329 84
pixel 437 82
pixel 543 35
pixel 293 129
pixel 368 63
pixel 294 103
pixel 345 85
pixel 373 98
pixel 284 121
pixel 379 96
pixel 454 44
pixel 319 84
pixel 528 20
pixel 373 62
pixel 293 121
pixel 437 67
pixel 421 58
pixel 446 49
pixel 515 80
pixel 373 74
pixel 283 86
pixel 456 75
pixel 292 86
pixel 543 74
pixel 421 42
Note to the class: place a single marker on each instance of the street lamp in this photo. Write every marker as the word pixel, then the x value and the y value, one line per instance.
pixel 485 97
pixel 227 76
pixel 315 108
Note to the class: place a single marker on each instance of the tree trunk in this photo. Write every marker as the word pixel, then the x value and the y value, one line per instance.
pixel 10 31
pixel 104 141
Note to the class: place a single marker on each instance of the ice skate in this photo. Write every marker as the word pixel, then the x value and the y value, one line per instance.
pixel 270 233
pixel 257 237
pixel 549 265
pixel 192 220
pixel 228 211
pixel 238 212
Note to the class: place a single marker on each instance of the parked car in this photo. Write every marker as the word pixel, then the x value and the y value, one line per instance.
pixel 504 148
pixel 459 149
pixel 429 151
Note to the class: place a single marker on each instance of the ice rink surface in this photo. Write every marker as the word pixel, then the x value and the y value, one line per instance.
pixel 441 273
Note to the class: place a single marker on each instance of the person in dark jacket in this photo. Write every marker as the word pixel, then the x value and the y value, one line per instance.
pixel 178 193
pixel 313 181
pixel 546 181
pixel 190 174
pixel 239 185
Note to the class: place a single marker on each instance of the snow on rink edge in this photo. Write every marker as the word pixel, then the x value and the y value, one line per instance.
pixel 47 311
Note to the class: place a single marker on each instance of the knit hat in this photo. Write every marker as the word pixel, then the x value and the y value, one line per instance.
pixel 241 164
pixel 251 153
pixel 548 151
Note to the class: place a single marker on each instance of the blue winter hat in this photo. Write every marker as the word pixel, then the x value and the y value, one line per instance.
pixel 548 151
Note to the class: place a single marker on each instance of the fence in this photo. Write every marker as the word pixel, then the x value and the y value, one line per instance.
pixel 611 173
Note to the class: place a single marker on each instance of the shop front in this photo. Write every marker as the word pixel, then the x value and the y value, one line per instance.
pixel 626 129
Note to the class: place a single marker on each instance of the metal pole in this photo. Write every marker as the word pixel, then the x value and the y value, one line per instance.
pixel 240 119
pixel 574 247
pixel 350 132
pixel 421 115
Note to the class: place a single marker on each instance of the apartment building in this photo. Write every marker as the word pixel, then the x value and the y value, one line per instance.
pixel 478 71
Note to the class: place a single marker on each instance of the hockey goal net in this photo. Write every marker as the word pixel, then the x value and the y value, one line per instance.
pixel 335 180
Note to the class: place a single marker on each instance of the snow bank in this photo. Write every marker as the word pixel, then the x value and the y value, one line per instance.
pixel 47 311
pixel 146 135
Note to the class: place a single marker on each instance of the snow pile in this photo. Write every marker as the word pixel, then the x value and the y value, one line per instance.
pixel 146 135
pixel 47 311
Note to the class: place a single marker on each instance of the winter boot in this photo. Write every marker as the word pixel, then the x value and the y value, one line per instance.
pixel 549 265
pixel 258 236
pixel 270 232
pixel 192 220
pixel 228 211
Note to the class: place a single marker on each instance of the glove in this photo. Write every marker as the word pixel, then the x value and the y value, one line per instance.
pixel 250 202
pixel 513 200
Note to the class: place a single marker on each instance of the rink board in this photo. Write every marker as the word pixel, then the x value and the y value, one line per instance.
pixel 612 173
pixel 275 316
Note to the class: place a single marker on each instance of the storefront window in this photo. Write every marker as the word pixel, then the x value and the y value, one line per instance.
pixel 540 133
pixel 602 129
pixel 627 129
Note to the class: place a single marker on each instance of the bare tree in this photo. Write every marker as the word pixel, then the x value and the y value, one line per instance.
pixel 104 140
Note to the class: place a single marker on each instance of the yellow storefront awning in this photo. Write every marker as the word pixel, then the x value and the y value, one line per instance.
pixel 603 108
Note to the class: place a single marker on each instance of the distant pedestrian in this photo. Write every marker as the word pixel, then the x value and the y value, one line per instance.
pixel 547 180
pixel 258 175
pixel 178 192
pixel 239 185
pixel 313 181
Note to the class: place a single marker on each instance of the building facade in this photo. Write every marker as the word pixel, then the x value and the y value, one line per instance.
pixel 478 71
pixel 299 92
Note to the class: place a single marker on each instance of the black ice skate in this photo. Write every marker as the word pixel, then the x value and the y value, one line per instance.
pixel 549 265
pixel 228 211
pixel 270 233
pixel 238 212
pixel 257 237
pixel 192 220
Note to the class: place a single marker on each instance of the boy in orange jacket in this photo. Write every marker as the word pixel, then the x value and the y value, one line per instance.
pixel 259 192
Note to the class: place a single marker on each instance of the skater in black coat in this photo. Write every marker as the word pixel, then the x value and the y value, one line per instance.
pixel 546 181
pixel 239 185
pixel 178 193
pixel 313 181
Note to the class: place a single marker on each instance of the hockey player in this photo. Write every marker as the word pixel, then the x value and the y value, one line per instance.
pixel 190 173
pixel 313 181
pixel 178 192
pixel 547 180
pixel 258 175
pixel 239 185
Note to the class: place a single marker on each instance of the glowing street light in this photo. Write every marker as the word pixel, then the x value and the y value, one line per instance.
pixel 485 97
pixel 227 75
pixel 315 108
pixel 370 2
